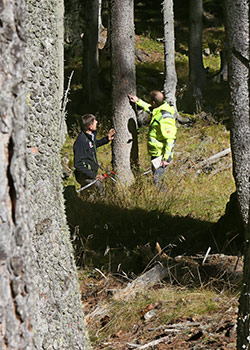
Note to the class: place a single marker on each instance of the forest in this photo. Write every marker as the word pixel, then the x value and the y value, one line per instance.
pixel 137 265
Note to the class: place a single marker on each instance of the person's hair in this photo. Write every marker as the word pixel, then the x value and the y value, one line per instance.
pixel 87 120
pixel 157 97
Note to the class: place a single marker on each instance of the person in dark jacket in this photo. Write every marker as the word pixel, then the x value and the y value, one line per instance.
pixel 85 157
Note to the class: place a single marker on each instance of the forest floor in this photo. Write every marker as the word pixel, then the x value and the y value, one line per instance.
pixel 142 330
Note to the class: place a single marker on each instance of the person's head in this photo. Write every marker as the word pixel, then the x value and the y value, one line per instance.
pixel 89 122
pixel 156 98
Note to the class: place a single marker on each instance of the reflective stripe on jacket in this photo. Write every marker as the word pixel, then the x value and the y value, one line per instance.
pixel 162 130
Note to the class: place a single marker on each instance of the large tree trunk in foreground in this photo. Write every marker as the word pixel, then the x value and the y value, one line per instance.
pixel 58 310
pixel 125 152
pixel 238 44
pixel 237 26
pixel 16 289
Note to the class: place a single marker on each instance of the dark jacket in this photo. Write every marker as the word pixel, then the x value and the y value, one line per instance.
pixel 85 158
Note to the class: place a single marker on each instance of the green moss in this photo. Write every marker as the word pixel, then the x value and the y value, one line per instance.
pixel 149 45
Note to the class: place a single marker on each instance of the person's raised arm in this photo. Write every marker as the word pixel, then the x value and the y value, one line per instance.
pixel 144 105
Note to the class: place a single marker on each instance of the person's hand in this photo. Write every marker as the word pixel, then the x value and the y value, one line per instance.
pixel 164 163
pixel 99 177
pixel 133 99
pixel 111 134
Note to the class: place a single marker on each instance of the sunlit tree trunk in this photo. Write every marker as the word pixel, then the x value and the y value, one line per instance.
pixel 237 28
pixel 16 287
pixel 196 68
pixel 100 26
pixel 237 35
pixel 169 52
pixel 125 150
pixel 58 313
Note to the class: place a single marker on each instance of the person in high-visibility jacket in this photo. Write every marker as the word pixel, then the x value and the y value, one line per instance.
pixel 162 131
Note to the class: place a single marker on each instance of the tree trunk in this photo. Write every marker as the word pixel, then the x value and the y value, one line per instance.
pixel 243 327
pixel 74 28
pixel 91 53
pixel 222 75
pixel 196 68
pixel 169 53
pixel 237 28
pixel 58 311
pixel 100 25
pixel 125 147
pixel 16 288
pixel 237 31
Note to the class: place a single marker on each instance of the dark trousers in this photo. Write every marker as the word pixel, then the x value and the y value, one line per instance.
pixel 159 174
pixel 83 180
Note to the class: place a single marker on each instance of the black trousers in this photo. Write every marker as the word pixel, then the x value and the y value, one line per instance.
pixel 83 180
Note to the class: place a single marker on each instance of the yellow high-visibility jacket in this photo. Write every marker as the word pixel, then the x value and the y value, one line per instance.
pixel 162 130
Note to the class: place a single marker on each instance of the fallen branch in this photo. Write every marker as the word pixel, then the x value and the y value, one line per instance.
pixel 148 345
pixel 214 158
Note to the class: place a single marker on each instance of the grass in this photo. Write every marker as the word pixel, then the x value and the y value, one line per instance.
pixel 168 305
pixel 189 192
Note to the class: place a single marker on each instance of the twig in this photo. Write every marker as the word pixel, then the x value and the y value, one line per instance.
pixel 198 272
pixel 100 272
pixel 65 99
pixel 206 255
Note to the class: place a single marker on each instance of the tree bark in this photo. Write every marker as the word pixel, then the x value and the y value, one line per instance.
pixel 91 53
pixel 237 24
pixel 125 147
pixel 196 68
pixel 100 25
pixel 16 287
pixel 169 53
pixel 58 311
pixel 237 29
pixel 222 75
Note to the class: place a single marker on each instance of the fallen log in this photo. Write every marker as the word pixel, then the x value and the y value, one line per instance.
pixel 146 280
pixel 220 270
pixel 214 158
pixel 224 271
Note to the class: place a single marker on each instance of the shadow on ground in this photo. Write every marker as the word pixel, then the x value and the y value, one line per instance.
pixel 109 237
